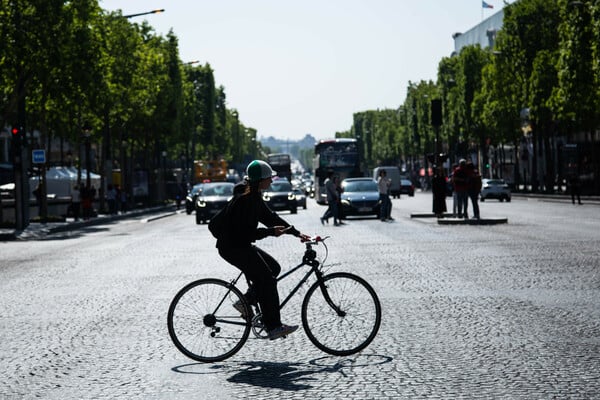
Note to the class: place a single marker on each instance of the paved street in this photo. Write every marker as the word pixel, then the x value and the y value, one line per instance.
pixel 509 311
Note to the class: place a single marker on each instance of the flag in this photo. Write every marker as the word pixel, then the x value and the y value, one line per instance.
pixel 486 5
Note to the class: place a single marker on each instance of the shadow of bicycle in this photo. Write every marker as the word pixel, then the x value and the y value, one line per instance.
pixel 289 376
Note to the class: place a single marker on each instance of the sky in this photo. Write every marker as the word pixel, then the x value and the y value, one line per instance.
pixel 292 68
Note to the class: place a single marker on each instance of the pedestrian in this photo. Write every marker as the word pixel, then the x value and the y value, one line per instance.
pixel 575 188
pixel 460 184
pixel 76 202
pixel 123 200
pixel 383 185
pixel 111 199
pixel 438 188
pixel 337 212
pixel 235 245
pixel 474 187
pixel 87 199
pixel 333 199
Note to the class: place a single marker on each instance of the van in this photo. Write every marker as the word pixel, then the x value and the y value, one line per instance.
pixel 394 174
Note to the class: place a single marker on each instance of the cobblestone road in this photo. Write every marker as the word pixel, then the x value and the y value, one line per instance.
pixel 508 311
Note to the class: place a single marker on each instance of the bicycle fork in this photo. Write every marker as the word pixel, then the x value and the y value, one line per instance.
pixel 323 286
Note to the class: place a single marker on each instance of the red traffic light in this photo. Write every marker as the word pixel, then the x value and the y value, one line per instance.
pixel 15 131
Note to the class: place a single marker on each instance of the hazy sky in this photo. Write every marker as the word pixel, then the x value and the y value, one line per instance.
pixel 297 67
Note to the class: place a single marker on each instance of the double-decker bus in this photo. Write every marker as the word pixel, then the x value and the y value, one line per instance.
pixel 282 164
pixel 339 156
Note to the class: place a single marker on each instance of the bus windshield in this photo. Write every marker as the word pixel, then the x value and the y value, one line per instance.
pixel 339 157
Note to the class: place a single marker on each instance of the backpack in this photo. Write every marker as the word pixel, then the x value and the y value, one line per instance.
pixel 219 222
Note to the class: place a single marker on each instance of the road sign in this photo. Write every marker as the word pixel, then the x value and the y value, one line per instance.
pixel 38 156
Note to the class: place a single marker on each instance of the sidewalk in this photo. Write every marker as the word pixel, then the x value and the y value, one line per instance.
pixel 38 229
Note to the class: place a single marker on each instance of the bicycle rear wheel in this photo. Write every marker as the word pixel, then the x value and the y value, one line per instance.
pixel 341 315
pixel 203 323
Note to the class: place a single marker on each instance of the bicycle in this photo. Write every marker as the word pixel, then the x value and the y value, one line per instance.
pixel 341 313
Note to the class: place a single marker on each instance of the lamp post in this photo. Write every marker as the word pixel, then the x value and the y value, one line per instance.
pixel 88 162
pixel 144 13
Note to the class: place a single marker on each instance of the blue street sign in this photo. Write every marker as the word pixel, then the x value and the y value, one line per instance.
pixel 38 156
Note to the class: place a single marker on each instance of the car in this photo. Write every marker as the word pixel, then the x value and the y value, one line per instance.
pixel 190 198
pixel 494 189
pixel 212 199
pixel 280 196
pixel 300 197
pixel 407 187
pixel 360 197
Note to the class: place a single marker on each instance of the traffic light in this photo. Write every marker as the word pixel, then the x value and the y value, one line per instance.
pixel 16 132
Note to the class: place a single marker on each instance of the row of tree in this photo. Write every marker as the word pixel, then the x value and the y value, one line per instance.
pixel 537 89
pixel 69 66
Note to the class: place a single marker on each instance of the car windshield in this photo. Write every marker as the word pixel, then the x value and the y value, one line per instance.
pixel 280 186
pixel 360 186
pixel 218 190
pixel 196 189
pixel 495 182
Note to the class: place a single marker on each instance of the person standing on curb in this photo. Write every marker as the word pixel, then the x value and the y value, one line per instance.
pixel 383 184
pixel 474 187
pixel 460 182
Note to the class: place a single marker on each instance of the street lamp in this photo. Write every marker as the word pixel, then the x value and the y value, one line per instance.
pixel 144 13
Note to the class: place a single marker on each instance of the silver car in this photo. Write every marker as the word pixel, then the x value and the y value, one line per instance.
pixel 494 189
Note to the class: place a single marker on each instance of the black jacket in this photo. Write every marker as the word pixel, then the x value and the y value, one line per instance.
pixel 243 215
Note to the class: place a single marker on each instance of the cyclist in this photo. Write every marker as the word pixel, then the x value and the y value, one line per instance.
pixel 235 246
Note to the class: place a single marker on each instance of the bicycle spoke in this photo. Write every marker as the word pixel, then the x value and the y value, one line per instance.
pixel 203 324
pixel 355 328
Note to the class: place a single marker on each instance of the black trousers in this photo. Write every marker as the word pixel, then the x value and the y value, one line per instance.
pixel 261 269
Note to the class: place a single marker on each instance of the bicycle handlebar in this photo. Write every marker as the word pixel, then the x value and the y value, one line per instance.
pixel 316 240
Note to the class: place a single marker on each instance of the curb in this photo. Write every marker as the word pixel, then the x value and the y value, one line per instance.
pixel 8 235
pixel 448 219
pixel 472 221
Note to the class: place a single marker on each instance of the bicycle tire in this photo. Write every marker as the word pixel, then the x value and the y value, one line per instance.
pixel 335 334
pixel 202 322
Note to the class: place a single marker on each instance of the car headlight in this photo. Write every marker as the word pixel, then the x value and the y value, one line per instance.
pixel 200 203
pixel 291 196
pixel 266 197
pixel 346 202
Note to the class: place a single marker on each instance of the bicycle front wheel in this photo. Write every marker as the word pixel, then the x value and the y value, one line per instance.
pixel 203 323
pixel 341 315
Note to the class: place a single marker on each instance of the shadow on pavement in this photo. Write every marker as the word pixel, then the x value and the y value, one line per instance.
pixel 284 375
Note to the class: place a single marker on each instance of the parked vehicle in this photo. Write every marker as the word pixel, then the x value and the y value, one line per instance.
pixel 360 196
pixel 494 189
pixel 280 196
pixel 190 198
pixel 407 187
pixel 214 197
pixel 394 174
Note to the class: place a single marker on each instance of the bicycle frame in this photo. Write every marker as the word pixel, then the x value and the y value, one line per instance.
pixel 310 260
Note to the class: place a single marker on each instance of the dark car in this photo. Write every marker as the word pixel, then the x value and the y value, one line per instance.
pixel 280 196
pixel 407 187
pixel 213 197
pixel 360 196
pixel 190 198
pixel 300 197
